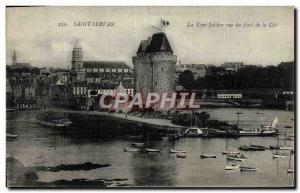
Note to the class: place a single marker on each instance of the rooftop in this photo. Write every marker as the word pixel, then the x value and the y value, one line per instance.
pixel 105 64
pixel 157 43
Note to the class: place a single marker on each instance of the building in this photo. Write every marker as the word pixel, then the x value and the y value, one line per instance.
pixel 199 70
pixel 232 66
pixel 92 78
pixel 154 65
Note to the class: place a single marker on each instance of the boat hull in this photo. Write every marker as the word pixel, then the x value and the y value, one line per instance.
pixel 202 156
pixel 152 150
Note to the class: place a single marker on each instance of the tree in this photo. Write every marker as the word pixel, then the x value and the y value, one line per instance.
pixel 187 79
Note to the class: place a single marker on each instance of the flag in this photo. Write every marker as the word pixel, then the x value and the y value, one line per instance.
pixel 165 23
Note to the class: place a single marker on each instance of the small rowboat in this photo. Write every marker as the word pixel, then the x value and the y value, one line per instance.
pixel 232 167
pixel 11 136
pixel 181 155
pixel 286 148
pixel 138 144
pixel 246 168
pixel 177 151
pixel 279 156
pixel 129 149
pixel 208 156
pixel 230 152
pixel 152 150
pixel 236 157
pixel 290 170
pixel 273 147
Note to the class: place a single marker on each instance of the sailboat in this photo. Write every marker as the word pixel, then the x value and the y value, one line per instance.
pixel 202 156
pixel 290 170
pixel 151 149
pixel 277 154
pixel 267 130
pixel 227 151
pixel 285 147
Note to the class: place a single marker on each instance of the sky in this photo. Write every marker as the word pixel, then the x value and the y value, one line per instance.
pixel 35 34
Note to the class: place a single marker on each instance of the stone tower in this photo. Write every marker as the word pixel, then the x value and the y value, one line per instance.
pixel 15 58
pixel 77 60
pixel 154 65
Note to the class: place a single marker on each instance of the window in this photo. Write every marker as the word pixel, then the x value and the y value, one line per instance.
pixel 162 69
pixel 120 70
pixel 125 70
pixel 89 69
pixel 101 70
pixel 95 69
pixel 107 70
pixel 114 70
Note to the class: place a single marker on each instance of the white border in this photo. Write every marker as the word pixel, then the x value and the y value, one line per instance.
pixel 295 3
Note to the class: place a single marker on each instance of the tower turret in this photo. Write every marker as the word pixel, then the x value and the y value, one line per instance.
pixel 15 58
pixel 77 58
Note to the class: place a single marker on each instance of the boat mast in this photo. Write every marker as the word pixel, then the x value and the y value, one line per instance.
pixel 238 118
pixel 290 159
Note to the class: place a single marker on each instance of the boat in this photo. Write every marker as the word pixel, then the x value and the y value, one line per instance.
pixel 278 155
pixel 232 167
pixel 258 147
pixel 251 148
pixel 152 150
pixel 193 132
pixel 267 130
pixel 10 110
pixel 11 136
pixel 129 149
pixel 273 147
pixel 231 152
pixel 181 155
pixel 177 151
pixel 139 145
pixel 58 123
pixel 208 156
pixel 227 151
pixel 247 168
pixel 290 170
pixel 236 157
pixel 51 148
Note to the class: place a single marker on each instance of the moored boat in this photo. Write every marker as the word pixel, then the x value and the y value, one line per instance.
pixel 236 157
pixel 247 168
pixel 11 136
pixel 181 155
pixel 286 148
pixel 152 150
pixel 251 148
pixel 208 156
pixel 230 152
pixel 278 155
pixel 232 167
pixel 129 149
pixel 177 151
pixel 193 132
pixel 58 123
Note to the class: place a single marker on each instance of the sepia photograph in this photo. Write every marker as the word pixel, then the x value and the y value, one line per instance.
pixel 150 97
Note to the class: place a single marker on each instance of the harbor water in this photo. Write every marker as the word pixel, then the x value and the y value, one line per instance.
pixel 61 150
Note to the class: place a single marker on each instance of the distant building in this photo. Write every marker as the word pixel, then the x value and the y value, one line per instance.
pixel 229 96
pixel 91 78
pixel 154 65
pixel 199 70
pixel 232 66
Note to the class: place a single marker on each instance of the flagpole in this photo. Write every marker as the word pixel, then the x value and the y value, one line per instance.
pixel 161 25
